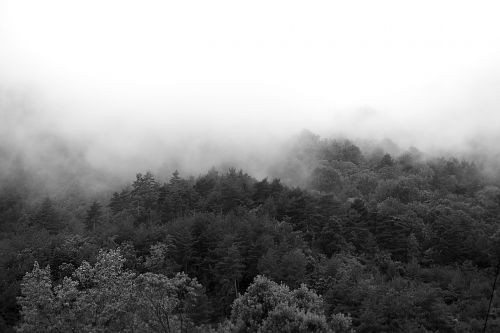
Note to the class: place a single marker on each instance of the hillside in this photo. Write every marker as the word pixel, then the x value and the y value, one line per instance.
pixel 343 239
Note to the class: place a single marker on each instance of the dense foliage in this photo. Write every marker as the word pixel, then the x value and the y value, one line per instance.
pixel 368 242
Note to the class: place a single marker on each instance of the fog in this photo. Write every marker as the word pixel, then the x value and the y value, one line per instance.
pixel 125 86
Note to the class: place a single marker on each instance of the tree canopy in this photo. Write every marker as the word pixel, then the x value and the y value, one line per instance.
pixel 340 240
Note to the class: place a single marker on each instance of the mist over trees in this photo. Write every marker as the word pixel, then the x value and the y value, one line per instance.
pixel 341 237
pixel 249 166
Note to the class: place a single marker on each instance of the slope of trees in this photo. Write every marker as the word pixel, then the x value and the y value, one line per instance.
pixel 369 243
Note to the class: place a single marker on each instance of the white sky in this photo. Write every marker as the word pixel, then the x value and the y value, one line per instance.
pixel 423 71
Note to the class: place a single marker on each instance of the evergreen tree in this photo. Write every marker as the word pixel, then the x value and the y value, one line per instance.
pixel 144 197
pixel 94 215
pixel 47 217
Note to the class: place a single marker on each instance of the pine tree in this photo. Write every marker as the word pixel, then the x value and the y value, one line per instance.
pixel 115 203
pixel 144 197
pixel 47 217
pixel 230 268
pixel 94 215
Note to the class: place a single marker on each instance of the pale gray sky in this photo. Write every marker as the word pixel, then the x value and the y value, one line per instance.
pixel 421 72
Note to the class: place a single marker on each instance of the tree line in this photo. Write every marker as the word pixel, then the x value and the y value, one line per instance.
pixel 369 242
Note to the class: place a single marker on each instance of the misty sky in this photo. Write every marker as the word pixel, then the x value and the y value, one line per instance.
pixel 128 73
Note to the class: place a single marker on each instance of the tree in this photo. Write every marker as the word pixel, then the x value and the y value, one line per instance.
pixel 93 218
pixel 177 198
pixel 413 249
pixel 144 197
pixel 270 307
pixel 105 297
pixel 330 238
pixel 286 318
pixel 119 201
pixel 386 161
pixel 47 217
pixel 161 257
pixel 230 269
pixel 166 305
pixel 326 179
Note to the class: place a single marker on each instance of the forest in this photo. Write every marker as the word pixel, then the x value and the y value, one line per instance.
pixel 339 238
